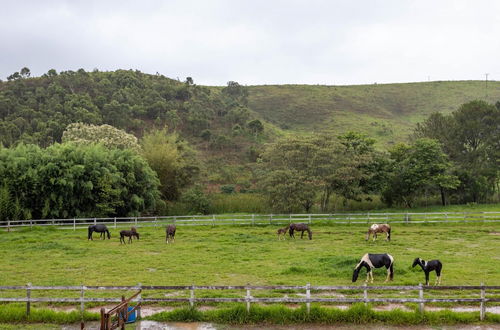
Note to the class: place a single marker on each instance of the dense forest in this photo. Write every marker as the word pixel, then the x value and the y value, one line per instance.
pixel 128 143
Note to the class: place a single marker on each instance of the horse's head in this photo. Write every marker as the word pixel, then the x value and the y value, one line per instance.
pixel 355 274
pixel 136 235
pixel 416 262
pixel 133 230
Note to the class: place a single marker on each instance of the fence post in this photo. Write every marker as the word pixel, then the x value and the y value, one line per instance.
pixel 213 220
pixel 421 296
pixel 95 221
pixel 365 294
pixel 82 301
pixel 103 319
pixel 156 222
pixel 28 297
pixel 308 297
pixel 139 299
pixel 136 221
pixel 31 224
pixel 114 222
pixel 270 219
pixel 406 217
pixel 446 217
pixel 368 220
pixel 8 225
pixel 74 224
pixel 483 306
pixel 247 298
pixel 309 218
pixel 175 218
pixel 191 298
pixel 253 219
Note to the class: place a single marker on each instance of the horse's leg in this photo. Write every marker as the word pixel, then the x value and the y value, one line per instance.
pixel 374 236
pixel 302 235
pixel 388 275
pixel 426 278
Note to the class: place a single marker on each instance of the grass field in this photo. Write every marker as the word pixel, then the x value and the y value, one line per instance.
pixel 228 255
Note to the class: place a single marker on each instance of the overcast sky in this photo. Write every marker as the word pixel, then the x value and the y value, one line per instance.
pixel 257 41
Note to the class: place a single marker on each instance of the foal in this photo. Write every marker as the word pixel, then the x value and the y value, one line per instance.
pixel 300 227
pixel 371 261
pixel 129 233
pixel 282 232
pixel 170 233
pixel 429 266
pixel 382 228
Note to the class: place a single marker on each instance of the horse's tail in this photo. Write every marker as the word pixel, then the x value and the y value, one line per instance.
pixel 310 233
pixel 391 271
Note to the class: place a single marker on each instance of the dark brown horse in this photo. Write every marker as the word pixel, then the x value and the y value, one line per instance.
pixel 129 233
pixel 99 228
pixel 376 228
pixel 170 237
pixel 282 232
pixel 300 227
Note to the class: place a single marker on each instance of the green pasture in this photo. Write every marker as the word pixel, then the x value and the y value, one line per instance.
pixel 238 255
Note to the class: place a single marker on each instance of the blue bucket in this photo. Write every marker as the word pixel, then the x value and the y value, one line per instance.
pixel 132 316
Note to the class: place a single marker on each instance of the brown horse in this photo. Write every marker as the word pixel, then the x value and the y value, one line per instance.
pixel 170 233
pixel 129 233
pixel 282 232
pixel 300 227
pixel 376 228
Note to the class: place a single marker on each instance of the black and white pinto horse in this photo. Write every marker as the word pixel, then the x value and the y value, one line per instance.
pixel 299 227
pixel 129 233
pixel 429 266
pixel 170 233
pixel 99 228
pixel 371 261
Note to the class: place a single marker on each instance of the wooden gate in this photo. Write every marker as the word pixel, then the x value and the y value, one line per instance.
pixel 120 312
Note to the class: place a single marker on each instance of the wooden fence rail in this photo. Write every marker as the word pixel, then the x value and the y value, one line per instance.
pixel 262 219
pixel 192 299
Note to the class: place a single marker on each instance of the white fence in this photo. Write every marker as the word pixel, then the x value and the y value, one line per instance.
pixel 264 219
pixel 303 294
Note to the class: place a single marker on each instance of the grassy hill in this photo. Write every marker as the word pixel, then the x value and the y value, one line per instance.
pixel 387 112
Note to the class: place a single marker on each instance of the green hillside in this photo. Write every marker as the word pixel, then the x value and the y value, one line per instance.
pixel 387 112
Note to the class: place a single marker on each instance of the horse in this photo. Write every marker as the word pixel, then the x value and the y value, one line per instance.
pixel 170 233
pixel 371 261
pixel 99 228
pixel 282 232
pixel 129 233
pixel 299 227
pixel 382 228
pixel 429 266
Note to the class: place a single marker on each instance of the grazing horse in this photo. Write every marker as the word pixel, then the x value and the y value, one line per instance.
pixel 129 233
pixel 300 227
pixel 282 232
pixel 371 261
pixel 429 266
pixel 170 233
pixel 99 228
pixel 382 228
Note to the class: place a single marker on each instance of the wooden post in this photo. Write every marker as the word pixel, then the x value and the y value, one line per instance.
pixel 139 299
pixel 421 296
pixel 114 221
pixel 82 300
pixel 103 319
pixel 253 219
pixel 270 219
pixel 74 224
pixel 156 221
pixel 31 224
pixel 247 297
pixel 136 221
pixel 482 312
pixel 175 218
pixel 406 217
pixel 308 296
pixel 8 225
pixel 191 299
pixel 28 297
pixel 365 295
pixel 368 219
pixel 123 317
pixel 213 220
pixel 95 221
pixel 309 218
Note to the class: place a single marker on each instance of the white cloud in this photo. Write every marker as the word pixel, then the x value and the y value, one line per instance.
pixel 257 42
